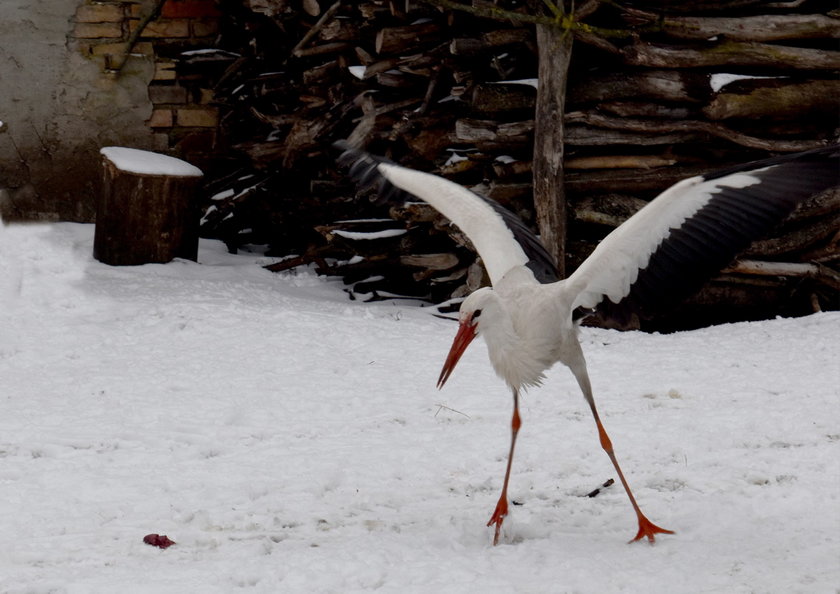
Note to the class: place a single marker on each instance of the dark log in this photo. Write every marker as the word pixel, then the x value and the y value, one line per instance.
pixel 669 127
pixel 508 169
pixel 642 181
pixel 555 53
pixel 298 49
pixel 407 39
pixel 660 85
pixel 822 274
pixel 731 53
pixel 435 262
pixel 768 27
pixel 496 98
pixel 470 46
pixel 610 210
pixel 578 135
pixel 146 217
pixel 473 130
pixel 619 162
pixel 636 109
pixel 776 99
pixel 333 47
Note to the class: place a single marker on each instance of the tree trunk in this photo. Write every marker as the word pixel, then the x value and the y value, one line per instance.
pixel 555 49
pixel 146 217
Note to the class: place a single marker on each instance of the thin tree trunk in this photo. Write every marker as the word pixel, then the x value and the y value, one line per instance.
pixel 555 49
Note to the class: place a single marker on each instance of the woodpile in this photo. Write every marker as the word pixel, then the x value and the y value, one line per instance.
pixel 655 94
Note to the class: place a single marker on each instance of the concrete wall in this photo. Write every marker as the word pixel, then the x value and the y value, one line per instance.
pixel 61 105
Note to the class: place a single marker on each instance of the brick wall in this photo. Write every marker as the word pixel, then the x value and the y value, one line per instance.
pixel 182 113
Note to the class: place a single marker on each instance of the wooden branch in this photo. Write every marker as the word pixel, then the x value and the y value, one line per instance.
pixel 610 210
pixel 646 109
pixel 669 127
pixel 297 51
pixel 625 181
pixel 731 53
pixel 560 19
pixel 578 135
pixel 768 27
pixel 661 85
pixel 495 97
pixel 822 274
pixel 443 261
pixel 117 67
pixel 473 130
pixel 392 40
pixel 471 46
pixel 777 99
pixel 619 162
pixel 333 47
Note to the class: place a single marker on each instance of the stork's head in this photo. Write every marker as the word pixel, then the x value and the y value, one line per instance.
pixel 474 313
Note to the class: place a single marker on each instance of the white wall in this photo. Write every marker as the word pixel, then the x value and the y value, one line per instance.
pixel 60 108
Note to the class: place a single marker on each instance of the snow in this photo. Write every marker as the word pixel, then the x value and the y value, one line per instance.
pixel 364 235
pixel 289 440
pixel 529 82
pixel 719 80
pixel 148 163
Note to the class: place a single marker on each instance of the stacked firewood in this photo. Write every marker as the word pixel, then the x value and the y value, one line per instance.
pixel 653 96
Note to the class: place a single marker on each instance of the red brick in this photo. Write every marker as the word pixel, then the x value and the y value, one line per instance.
pixel 163 93
pixel 165 28
pixel 100 13
pixel 113 49
pixel 161 118
pixel 165 71
pixel 98 30
pixel 190 9
pixel 203 117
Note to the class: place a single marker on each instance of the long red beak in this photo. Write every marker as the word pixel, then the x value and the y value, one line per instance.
pixel 466 334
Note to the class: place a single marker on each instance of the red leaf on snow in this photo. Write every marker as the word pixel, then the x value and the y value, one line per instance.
pixel 157 540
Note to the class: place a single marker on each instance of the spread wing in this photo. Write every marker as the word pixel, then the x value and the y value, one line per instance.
pixel 685 235
pixel 501 238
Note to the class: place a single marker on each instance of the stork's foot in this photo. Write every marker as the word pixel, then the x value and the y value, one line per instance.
pixel 649 529
pixel 498 517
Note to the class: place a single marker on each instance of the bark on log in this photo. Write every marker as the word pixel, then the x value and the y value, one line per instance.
pixel 660 85
pixel 711 128
pixel 392 40
pixel 822 274
pixel 764 27
pixel 555 52
pixel 731 53
pixel 769 27
pixel 469 46
pixel 499 98
pixel 777 99
pixel 146 218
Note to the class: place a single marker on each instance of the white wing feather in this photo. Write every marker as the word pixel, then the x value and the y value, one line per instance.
pixel 614 265
pixel 494 242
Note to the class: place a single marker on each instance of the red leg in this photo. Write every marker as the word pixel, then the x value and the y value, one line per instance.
pixel 502 506
pixel 646 527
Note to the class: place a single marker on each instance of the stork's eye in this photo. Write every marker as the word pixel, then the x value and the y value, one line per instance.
pixel 476 314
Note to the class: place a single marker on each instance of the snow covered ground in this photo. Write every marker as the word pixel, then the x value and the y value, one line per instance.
pixel 290 440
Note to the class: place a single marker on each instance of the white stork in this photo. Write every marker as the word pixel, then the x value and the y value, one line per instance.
pixel 529 319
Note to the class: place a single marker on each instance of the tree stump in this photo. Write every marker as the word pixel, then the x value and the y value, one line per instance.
pixel 147 211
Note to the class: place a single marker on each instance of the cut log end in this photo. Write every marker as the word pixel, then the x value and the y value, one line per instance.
pixel 147 209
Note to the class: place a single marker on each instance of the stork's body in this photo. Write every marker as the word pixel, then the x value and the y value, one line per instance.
pixel 529 319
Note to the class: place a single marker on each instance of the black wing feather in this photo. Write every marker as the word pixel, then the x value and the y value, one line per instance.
pixel 733 218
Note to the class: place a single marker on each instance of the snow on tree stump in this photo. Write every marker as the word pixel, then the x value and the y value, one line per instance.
pixel 147 210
